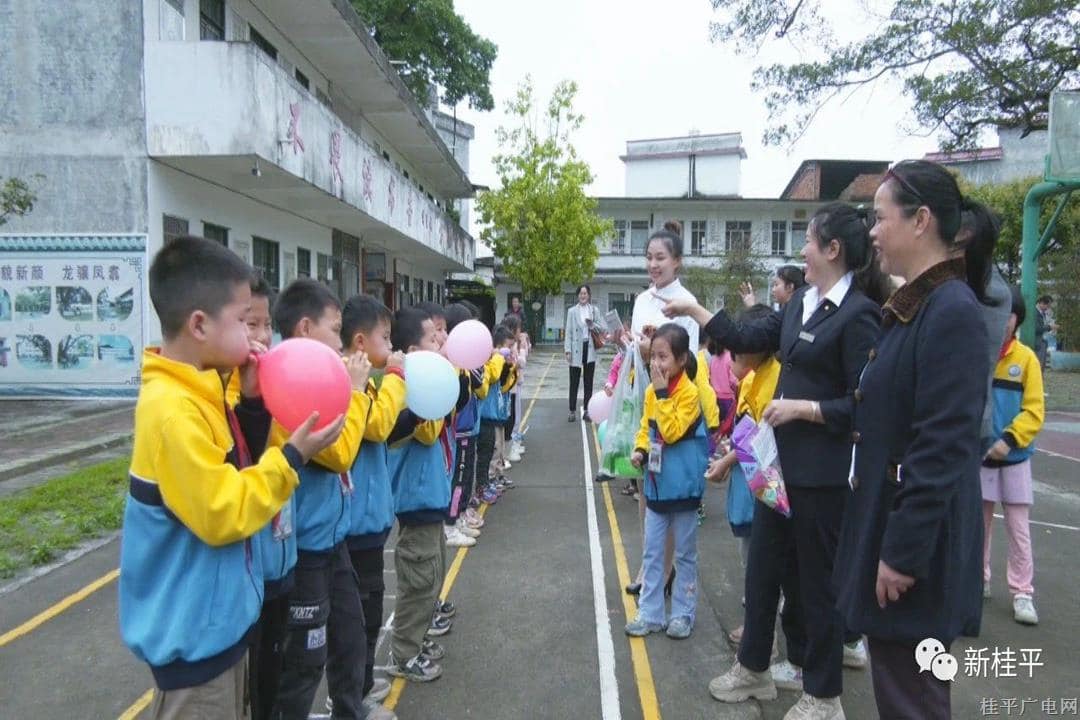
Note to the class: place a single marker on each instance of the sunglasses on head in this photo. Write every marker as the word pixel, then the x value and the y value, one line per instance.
pixel 908 188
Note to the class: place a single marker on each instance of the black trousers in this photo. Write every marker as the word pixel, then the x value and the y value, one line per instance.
pixel 900 690
pixel 368 564
pixel 326 630
pixel 461 483
pixel 485 449
pixel 575 377
pixel 797 553
pixel 508 427
pixel 267 654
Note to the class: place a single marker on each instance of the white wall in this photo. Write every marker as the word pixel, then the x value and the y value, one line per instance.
pixel 660 177
pixel 718 174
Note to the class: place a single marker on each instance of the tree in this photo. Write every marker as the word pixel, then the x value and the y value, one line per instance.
pixel 1007 200
pixel 723 280
pixel 16 198
pixel 540 222
pixel 966 64
pixel 436 47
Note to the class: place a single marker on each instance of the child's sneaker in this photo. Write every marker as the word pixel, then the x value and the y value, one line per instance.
pixel 1024 610
pixel 855 654
pixel 445 608
pixel 432 650
pixel 640 628
pixel 375 711
pixel 380 688
pixel 456 538
pixel 740 683
pixel 440 625
pixel 417 669
pixel 473 519
pixel 679 628
pixel 513 455
pixel 787 675
pixel 474 503
pixel 505 464
pixel 507 482
pixel 465 529
pixel 490 495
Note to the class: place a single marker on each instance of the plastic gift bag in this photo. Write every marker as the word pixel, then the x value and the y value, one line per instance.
pixel 755 448
pixel 627 407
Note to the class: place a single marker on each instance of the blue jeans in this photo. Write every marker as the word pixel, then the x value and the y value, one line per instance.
pixel 684 593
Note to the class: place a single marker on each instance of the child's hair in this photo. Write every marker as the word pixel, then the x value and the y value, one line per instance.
pixel 513 322
pixel 261 288
pixel 432 310
pixel 407 328
pixel 193 273
pixel 1019 307
pixel 457 314
pixel 361 314
pixel 714 347
pixel 753 314
pixel 472 308
pixel 303 298
pixel 793 275
pixel 679 341
pixel 501 335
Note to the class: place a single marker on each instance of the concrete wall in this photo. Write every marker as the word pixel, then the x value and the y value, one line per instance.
pixel 1022 158
pixel 71 111
pixel 660 177
pixel 718 174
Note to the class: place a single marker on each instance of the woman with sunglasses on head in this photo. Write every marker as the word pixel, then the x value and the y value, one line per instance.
pixel 909 567
pixel 822 336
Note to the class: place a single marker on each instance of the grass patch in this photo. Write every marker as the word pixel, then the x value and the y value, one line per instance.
pixel 39 524
pixel 1062 390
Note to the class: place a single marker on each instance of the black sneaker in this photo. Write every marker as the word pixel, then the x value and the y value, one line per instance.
pixel 432 650
pixel 572 417
pixel 586 418
pixel 440 625
pixel 418 669
pixel 446 609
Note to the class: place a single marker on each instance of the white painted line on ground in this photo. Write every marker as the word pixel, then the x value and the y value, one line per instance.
pixel 605 649
pixel 1058 455
pixel 1044 524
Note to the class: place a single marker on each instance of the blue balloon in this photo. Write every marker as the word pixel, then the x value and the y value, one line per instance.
pixel 431 385
pixel 601 432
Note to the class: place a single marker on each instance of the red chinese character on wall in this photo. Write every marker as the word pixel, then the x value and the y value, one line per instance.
pixel 368 182
pixel 390 195
pixel 294 128
pixel 335 157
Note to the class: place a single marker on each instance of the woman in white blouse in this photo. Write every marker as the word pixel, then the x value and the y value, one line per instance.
pixel 577 343
pixel 663 260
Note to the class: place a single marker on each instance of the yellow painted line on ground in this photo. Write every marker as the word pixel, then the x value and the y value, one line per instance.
pixel 138 706
pixel 639 656
pixel 398 686
pixel 51 612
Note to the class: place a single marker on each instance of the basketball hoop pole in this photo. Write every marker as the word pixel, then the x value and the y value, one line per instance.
pixel 1035 243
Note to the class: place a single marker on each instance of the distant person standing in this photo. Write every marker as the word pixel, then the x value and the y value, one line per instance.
pixel 580 353
pixel 516 308
pixel 787 280
pixel 1044 323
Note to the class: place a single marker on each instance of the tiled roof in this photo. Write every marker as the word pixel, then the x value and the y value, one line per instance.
pixel 72 243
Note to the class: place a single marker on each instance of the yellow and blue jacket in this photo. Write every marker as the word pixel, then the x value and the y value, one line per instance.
pixel 372 513
pixel 1019 404
pixel 673 419
pixel 420 465
pixel 324 498
pixel 500 377
pixel 756 391
pixel 190 586
pixel 710 407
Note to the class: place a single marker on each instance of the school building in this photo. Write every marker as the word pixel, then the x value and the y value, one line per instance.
pixel 277 128
pixel 695 180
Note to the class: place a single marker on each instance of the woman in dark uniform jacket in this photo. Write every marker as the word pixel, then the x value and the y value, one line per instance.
pixel 823 336
pixel 908 568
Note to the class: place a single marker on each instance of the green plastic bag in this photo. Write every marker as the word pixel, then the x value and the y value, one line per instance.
pixel 628 405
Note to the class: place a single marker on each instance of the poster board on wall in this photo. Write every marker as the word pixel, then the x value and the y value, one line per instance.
pixel 71 315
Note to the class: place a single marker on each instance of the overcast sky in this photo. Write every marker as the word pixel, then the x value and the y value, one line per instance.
pixel 648 69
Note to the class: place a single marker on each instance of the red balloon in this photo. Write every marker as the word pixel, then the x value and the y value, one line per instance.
pixel 302 376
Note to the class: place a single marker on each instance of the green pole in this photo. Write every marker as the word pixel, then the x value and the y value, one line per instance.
pixel 1032 248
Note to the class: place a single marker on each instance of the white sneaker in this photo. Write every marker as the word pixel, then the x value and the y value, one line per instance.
pixel 518 447
pixel 786 675
pixel 855 655
pixel 812 708
pixel 740 683
pixel 464 529
pixel 505 464
pixel 380 688
pixel 454 538
pixel 1024 610
pixel 513 456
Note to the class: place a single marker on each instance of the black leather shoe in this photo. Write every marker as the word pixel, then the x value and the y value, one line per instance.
pixel 572 417
pixel 670 583
pixel 633 589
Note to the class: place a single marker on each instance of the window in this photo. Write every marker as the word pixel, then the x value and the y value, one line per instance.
pixel 171 20
pixel 264 257
pixel 639 236
pixel 618 243
pixel 302 79
pixel 212 19
pixel 303 262
pixel 263 44
pixel 430 291
pixel 698 232
pixel 798 234
pixel 737 235
pixel 172 228
pixel 418 290
pixel 779 237
pixel 216 233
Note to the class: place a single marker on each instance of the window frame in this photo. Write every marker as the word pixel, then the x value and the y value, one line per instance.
pixel 699 237
pixel 215 25
pixel 271 272
pixel 302 271
pixel 642 225
pixel 745 231
pixel 167 236
pixel 779 227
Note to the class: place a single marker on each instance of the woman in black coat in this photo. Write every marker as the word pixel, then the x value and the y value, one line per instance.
pixel 909 565
pixel 822 336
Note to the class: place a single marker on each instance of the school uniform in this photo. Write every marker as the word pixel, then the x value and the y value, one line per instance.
pixel 916 500
pixel 673 438
pixel 822 344
pixel 193 505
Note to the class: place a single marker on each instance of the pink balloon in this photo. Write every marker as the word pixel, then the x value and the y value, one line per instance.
pixel 302 376
pixel 599 407
pixel 468 346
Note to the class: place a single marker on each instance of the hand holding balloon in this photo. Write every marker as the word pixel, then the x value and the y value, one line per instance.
pixel 249 371
pixel 302 376
pixel 309 442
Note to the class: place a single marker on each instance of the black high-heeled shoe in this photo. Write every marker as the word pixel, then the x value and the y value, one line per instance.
pixel 633 589
pixel 670 583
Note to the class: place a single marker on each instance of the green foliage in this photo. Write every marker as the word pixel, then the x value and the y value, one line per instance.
pixel 966 64
pixel 437 47
pixel 1062 280
pixel 40 523
pixel 1007 200
pixel 540 222
pixel 722 280
pixel 16 198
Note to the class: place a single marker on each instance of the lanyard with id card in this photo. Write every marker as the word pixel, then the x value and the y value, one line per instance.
pixel 656 456
pixel 282 523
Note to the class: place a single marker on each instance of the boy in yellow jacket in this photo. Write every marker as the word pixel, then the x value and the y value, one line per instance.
pixel 188 588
